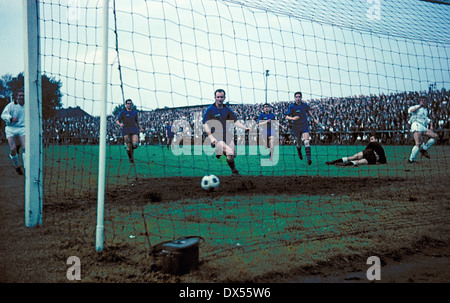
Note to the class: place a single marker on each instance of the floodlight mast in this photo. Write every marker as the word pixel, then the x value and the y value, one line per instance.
pixel 267 75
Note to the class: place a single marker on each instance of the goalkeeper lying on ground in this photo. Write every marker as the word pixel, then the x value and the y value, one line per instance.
pixel 372 154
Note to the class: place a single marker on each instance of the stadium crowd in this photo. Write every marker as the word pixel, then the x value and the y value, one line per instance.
pixel 346 120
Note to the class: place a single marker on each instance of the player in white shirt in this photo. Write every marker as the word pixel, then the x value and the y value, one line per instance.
pixel 421 125
pixel 14 116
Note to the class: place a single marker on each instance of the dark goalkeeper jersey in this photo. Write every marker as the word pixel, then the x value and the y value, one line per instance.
pixel 378 148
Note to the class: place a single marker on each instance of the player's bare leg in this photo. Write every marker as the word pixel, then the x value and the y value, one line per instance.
pixel 129 145
pixel 228 150
pixel 355 160
pixel 18 141
pixel 271 146
pixel 355 157
pixel 267 143
pixel 135 141
pixel 14 155
pixel 21 140
pixel 230 158
pixel 416 148
pixel 306 138
pixel 425 146
pixel 134 145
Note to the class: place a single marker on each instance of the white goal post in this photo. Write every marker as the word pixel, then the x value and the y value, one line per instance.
pixel 32 157
pixel 102 144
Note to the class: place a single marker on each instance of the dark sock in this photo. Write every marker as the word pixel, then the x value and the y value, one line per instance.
pixel 308 152
pixel 231 164
pixel 299 151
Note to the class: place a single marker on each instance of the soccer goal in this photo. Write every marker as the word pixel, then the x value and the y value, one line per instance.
pixel 358 64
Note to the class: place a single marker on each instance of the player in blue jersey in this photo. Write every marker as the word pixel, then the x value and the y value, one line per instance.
pixel 169 134
pixel 218 119
pixel 421 125
pixel 268 134
pixel 128 120
pixel 298 113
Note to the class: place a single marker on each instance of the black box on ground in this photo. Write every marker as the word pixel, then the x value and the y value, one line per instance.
pixel 181 256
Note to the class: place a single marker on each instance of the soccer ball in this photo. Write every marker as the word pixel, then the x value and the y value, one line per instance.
pixel 210 182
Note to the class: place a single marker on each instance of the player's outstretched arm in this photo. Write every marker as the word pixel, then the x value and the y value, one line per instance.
pixel 278 124
pixel 240 125
pixel 209 134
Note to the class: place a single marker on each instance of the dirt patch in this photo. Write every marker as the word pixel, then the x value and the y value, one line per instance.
pixel 426 261
pixel 178 188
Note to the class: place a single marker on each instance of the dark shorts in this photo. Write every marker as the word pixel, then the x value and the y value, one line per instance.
pixel 128 131
pixel 299 130
pixel 370 156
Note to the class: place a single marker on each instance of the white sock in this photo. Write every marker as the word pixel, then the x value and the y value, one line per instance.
pixel 15 160
pixel 429 143
pixel 345 159
pixel 414 152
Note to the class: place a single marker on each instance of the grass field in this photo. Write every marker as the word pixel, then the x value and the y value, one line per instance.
pixel 272 224
pixel 74 168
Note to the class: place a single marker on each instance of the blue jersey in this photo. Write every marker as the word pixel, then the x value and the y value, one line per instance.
pixel 222 115
pixel 267 128
pixel 300 110
pixel 170 133
pixel 130 122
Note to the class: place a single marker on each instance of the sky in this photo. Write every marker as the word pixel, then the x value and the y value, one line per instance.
pixel 11 37
pixel 177 52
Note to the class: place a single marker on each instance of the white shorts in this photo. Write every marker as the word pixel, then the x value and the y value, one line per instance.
pixel 417 127
pixel 12 131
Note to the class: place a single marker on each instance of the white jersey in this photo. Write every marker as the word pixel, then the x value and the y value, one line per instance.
pixel 14 110
pixel 419 115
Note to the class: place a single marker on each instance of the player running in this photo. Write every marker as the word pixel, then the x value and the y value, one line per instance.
pixel 128 120
pixel 14 116
pixel 298 113
pixel 169 134
pixel 215 123
pixel 421 125
pixel 268 134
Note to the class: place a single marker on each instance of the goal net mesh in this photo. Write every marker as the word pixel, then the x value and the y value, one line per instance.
pixel 358 64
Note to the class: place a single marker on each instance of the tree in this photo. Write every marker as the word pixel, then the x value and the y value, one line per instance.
pixel 51 97
pixel 120 108
pixel 5 92
pixel 51 92
pixel 4 88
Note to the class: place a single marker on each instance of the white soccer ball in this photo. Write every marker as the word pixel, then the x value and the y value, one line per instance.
pixel 210 182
